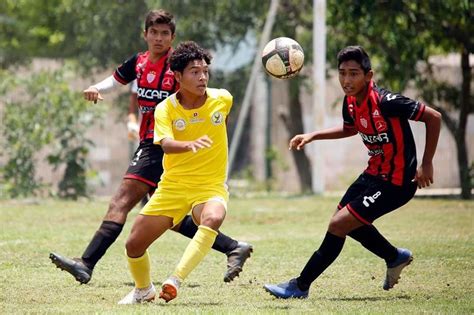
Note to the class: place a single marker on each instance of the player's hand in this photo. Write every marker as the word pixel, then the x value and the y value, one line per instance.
pixel 424 175
pixel 200 143
pixel 132 128
pixel 92 94
pixel 299 141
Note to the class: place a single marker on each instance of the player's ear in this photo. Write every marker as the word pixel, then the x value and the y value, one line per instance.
pixel 178 75
pixel 369 75
pixel 144 35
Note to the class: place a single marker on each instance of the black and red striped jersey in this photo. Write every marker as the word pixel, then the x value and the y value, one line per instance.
pixel 382 122
pixel 155 82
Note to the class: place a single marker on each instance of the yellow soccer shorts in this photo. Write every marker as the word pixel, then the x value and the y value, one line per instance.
pixel 176 200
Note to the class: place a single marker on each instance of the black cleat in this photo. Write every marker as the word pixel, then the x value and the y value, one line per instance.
pixel 74 266
pixel 236 260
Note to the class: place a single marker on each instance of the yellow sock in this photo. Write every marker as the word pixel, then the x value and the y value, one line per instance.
pixel 140 270
pixel 199 246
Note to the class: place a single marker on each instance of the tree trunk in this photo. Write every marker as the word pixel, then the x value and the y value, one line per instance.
pixel 294 124
pixel 460 135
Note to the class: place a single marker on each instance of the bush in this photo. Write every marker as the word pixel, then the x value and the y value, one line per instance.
pixel 42 110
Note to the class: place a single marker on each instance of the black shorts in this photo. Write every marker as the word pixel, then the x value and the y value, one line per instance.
pixel 369 197
pixel 147 163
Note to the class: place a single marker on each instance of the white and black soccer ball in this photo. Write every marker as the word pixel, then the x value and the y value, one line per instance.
pixel 283 57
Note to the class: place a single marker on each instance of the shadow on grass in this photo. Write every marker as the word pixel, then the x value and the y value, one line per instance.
pixel 372 298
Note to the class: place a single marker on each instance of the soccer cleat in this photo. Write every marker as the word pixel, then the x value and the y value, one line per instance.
pixel 394 269
pixel 137 296
pixel 169 289
pixel 236 259
pixel 286 290
pixel 74 266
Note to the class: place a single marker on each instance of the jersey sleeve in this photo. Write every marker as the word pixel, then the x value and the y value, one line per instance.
pixel 397 105
pixel 227 98
pixel 346 116
pixel 163 123
pixel 126 73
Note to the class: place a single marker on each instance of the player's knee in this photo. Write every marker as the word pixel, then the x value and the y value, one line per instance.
pixel 337 227
pixel 213 220
pixel 134 248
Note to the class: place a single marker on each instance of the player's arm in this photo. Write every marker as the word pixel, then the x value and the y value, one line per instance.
pixel 132 119
pixel 93 92
pixel 299 141
pixel 171 146
pixel 432 120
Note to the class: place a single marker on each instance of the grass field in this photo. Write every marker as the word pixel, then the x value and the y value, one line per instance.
pixel 284 232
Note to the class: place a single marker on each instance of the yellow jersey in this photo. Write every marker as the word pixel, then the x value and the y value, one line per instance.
pixel 172 120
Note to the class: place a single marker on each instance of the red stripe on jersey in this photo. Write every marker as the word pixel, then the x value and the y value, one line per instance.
pixel 358 217
pixel 399 159
pixel 118 78
pixel 141 179
pixel 420 112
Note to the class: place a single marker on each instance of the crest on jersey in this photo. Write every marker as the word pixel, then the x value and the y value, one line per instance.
pixel 217 118
pixel 150 77
pixel 180 124
pixel 363 122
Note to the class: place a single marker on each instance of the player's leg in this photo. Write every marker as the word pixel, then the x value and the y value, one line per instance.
pixel 128 195
pixel 378 199
pixel 237 252
pixel 209 216
pixel 340 225
pixel 146 229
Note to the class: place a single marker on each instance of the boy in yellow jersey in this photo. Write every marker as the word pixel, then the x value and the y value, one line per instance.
pixel 190 126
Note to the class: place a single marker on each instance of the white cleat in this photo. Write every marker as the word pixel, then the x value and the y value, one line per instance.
pixel 169 289
pixel 137 296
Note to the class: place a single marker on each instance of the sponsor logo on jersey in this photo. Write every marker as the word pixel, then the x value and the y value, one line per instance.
pixel 379 138
pixel 150 77
pixel 374 152
pixel 146 109
pixel 179 124
pixel 371 199
pixel 380 125
pixel 376 113
pixel 152 94
pixel 217 118
pixel 167 83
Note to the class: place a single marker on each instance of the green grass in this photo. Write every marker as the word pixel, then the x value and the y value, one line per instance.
pixel 284 232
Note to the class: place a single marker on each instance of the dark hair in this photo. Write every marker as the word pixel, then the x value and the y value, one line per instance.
pixel 356 53
pixel 185 53
pixel 160 17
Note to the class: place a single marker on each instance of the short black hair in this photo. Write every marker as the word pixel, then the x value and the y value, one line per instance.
pixel 160 17
pixel 185 53
pixel 356 53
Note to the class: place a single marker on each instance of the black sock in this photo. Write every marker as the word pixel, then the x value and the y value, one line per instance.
pixel 328 251
pixel 103 238
pixel 223 243
pixel 372 240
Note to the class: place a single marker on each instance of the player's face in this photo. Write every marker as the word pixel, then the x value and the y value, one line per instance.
pixel 159 38
pixel 194 78
pixel 353 80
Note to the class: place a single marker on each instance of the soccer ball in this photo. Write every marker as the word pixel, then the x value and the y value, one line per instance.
pixel 282 57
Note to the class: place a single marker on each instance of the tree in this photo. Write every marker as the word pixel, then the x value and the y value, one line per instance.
pixel 400 36
pixel 95 33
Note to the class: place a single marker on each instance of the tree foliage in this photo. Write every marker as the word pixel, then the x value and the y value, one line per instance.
pixel 42 111
pixel 95 33
pixel 401 36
